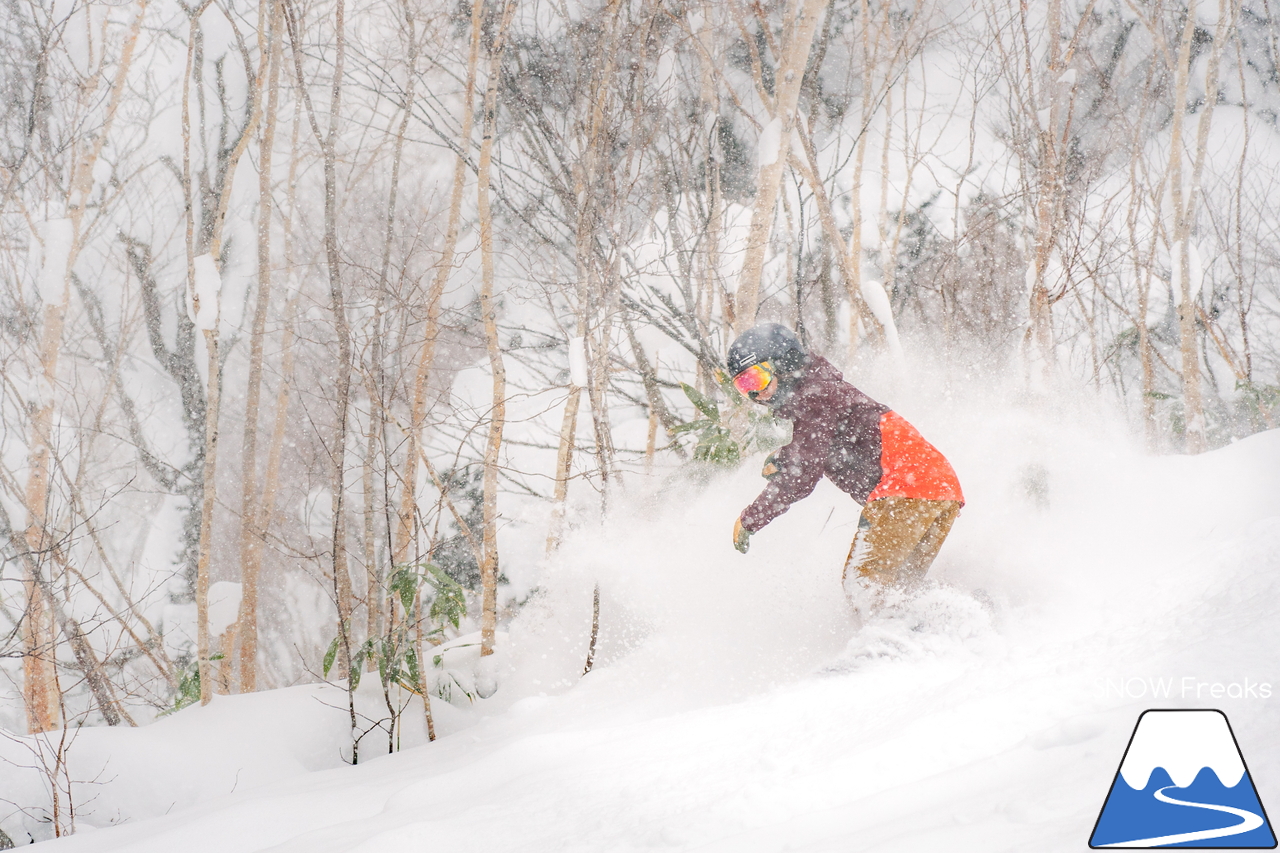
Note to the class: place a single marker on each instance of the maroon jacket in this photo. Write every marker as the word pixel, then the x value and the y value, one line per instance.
pixel 867 450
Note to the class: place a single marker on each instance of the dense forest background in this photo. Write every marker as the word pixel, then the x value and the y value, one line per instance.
pixel 322 320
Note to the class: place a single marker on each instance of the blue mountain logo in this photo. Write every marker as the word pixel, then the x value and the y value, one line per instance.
pixel 1183 783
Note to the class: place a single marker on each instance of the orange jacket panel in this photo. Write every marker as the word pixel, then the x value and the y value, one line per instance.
pixel 913 468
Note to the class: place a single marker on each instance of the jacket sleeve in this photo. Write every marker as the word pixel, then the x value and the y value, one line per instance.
pixel 800 465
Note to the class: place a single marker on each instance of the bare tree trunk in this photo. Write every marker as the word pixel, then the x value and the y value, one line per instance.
pixel 211 404
pixel 1150 431
pixel 211 225
pixel 595 630
pixel 790 74
pixel 711 281
pixel 592 294
pixel 423 690
pixel 597 400
pixel 651 440
pixel 564 462
pixel 251 529
pixel 1244 291
pixel 1191 402
pixel 226 647
pixel 854 264
pixel 271 478
pixel 206 517
pixel 1184 207
pixel 714 282
pixel 497 416
pixel 808 168
pixel 1142 268
pixel 337 302
pixel 265 17
pixel 214 382
pixel 912 155
pixel 426 355
pixel 1040 333
pixel 40 691
pixel 373 578
pixel 85 657
pixel 152 646
pixel 275 452
pixel 374 598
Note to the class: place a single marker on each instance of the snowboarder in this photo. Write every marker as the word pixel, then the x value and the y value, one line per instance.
pixel 909 493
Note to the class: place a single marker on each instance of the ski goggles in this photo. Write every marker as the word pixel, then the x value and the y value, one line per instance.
pixel 754 379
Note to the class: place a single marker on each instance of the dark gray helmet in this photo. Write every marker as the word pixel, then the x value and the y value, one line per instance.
pixel 769 342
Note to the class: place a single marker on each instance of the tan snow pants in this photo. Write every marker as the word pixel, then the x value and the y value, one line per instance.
pixel 898 538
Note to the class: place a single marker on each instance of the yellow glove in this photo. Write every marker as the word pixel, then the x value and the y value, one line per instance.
pixel 741 537
pixel 770 468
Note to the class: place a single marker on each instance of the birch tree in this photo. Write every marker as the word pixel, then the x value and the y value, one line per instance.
pixel 64 241
pixel 252 519
pixel 800 22
pixel 497 415
pixel 1183 198
pixel 426 354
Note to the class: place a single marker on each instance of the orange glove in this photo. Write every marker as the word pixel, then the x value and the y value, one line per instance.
pixel 741 537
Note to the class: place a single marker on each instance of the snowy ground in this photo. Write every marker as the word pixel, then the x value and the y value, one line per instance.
pixel 732 709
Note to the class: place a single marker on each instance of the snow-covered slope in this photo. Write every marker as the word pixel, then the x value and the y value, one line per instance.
pixel 733 709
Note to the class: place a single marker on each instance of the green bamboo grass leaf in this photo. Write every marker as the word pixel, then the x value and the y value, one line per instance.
pixel 692 426
pixel 450 603
pixel 411 661
pixel 701 402
pixel 331 655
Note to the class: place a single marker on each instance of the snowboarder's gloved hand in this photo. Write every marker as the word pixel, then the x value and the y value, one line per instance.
pixel 741 537
pixel 770 469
